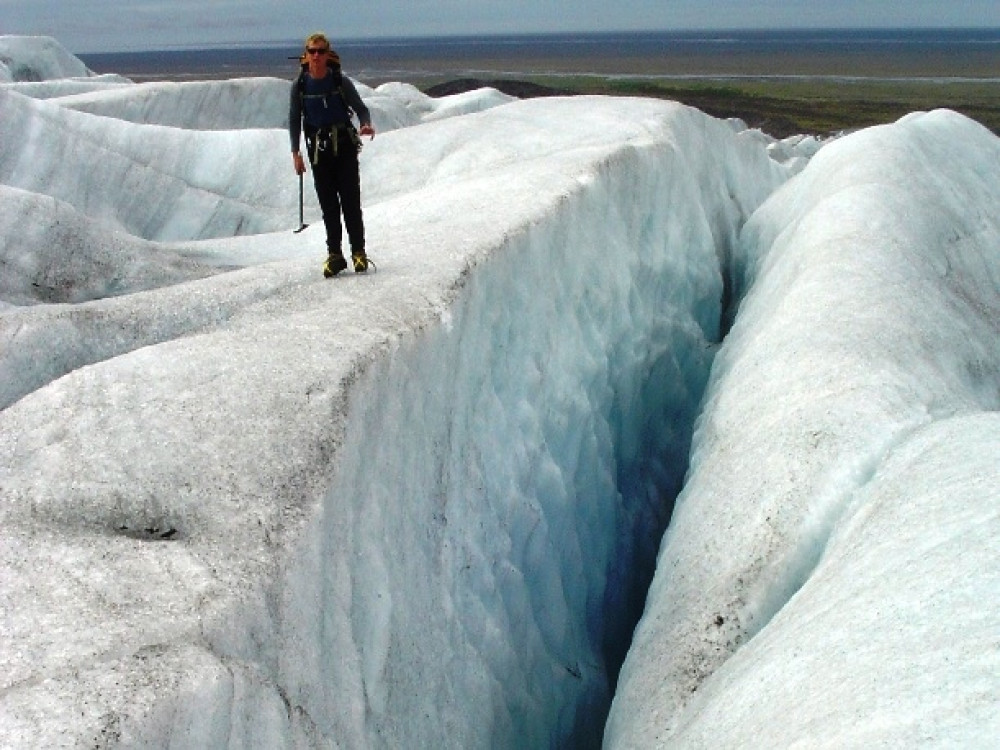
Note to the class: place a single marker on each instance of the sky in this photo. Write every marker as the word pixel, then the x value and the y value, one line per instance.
pixel 116 25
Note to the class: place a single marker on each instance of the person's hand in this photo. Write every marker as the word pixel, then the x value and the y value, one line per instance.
pixel 300 166
pixel 368 130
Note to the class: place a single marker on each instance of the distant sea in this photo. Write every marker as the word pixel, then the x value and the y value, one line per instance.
pixel 945 54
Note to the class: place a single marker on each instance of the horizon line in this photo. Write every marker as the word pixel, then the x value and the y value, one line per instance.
pixel 465 35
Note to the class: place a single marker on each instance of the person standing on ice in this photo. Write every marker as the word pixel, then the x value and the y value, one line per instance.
pixel 323 101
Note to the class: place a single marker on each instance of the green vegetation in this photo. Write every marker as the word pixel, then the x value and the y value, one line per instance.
pixel 785 107
pixel 788 106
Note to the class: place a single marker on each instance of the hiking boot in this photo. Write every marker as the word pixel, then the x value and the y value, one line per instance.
pixel 335 263
pixel 360 262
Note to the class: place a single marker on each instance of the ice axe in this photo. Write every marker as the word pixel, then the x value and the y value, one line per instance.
pixel 302 224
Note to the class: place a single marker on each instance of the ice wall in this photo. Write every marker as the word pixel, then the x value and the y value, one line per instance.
pixel 383 511
pixel 828 578
pixel 151 181
pixel 469 577
pixel 237 104
pixel 549 456
pixel 37 58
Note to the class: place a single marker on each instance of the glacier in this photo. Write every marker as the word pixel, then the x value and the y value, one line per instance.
pixel 244 506
pixel 847 594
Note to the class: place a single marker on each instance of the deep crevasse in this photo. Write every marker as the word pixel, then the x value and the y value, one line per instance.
pixel 453 564
pixel 824 575
pixel 482 553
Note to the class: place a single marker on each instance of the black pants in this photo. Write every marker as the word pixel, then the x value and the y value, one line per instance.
pixel 337 177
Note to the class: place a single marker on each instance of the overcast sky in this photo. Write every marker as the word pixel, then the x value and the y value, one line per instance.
pixel 119 25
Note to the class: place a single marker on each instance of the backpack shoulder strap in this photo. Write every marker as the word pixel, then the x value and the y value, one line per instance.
pixel 336 81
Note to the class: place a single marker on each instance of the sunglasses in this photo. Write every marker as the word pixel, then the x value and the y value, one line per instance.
pixel 317 50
